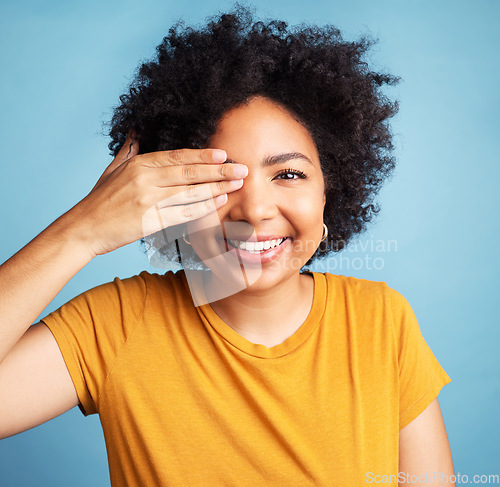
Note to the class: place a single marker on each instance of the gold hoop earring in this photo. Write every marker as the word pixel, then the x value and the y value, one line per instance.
pixel 325 233
pixel 184 238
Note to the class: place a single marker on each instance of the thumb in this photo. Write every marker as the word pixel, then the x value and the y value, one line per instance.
pixel 129 149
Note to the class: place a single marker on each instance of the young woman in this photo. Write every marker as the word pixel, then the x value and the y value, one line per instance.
pixel 249 150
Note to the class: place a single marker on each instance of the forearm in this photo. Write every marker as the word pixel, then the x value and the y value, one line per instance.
pixel 31 278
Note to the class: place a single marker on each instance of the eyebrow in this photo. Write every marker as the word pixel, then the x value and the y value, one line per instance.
pixel 279 159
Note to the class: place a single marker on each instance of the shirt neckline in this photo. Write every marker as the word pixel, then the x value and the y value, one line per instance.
pixel 291 343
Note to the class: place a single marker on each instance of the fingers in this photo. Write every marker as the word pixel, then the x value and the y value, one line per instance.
pixel 192 202
pixel 187 202
pixel 193 211
pixel 189 174
pixel 184 156
pixel 157 218
pixel 199 192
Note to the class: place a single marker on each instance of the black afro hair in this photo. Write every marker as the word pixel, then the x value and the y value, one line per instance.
pixel 176 100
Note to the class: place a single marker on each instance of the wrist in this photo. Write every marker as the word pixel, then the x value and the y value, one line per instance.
pixel 70 230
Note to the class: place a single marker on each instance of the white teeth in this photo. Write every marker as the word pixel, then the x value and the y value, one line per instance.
pixel 256 247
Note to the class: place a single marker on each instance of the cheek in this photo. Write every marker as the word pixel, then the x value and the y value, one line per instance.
pixel 306 217
pixel 306 211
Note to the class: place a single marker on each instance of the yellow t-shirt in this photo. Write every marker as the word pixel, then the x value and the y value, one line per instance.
pixel 184 400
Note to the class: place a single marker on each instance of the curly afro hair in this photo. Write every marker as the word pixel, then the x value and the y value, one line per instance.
pixel 176 101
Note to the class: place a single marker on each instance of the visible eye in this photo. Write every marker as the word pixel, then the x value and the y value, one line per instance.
pixel 289 174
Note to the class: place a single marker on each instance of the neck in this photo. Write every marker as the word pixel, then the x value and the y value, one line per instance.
pixel 268 316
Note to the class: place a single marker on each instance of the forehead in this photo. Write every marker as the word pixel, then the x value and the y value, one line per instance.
pixel 263 127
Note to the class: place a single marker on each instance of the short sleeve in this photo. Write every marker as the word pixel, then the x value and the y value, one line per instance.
pixel 421 376
pixel 90 330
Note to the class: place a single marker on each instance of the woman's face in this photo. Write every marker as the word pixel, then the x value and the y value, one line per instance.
pixel 281 198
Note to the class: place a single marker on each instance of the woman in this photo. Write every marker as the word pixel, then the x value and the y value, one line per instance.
pixel 249 151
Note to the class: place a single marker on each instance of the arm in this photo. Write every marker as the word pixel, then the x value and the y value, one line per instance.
pixel 135 196
pixel 30 279
pixel 424 449
pixel 35 385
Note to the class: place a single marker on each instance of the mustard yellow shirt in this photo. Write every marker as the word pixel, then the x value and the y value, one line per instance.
pixel 184 400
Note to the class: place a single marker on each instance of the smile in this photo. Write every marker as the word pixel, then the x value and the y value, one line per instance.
pixel 256 247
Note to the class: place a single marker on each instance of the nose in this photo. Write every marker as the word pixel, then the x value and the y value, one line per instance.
pixel 254 202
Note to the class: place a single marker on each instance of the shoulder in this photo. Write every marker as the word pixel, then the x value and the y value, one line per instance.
pixel 169 287
pixel 169 279
pixel 365 287
pixel 133 289
pixel 147 280
pixel 354 286
pixel 365 294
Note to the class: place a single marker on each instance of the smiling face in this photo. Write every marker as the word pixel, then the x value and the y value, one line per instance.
pixel 281 198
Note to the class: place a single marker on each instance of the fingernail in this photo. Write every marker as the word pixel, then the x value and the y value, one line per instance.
pixel 219 155
pixel 240 171
pixel 238 183
pixel 221 199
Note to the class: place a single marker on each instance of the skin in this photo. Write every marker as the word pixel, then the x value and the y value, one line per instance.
pixel 424 448
pixel 284 296
pixel 267 203
pixel 33 371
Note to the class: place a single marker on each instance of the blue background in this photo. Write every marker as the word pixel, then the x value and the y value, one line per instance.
pixel 64 64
